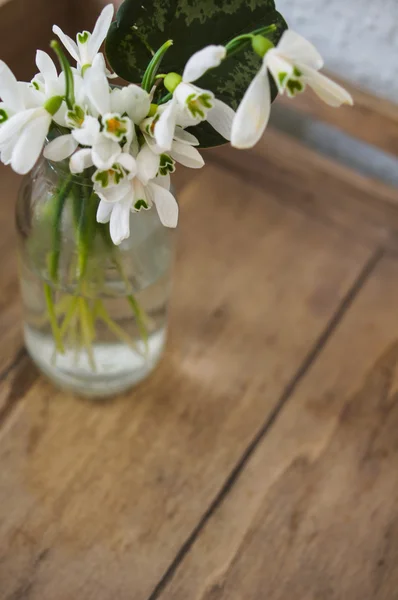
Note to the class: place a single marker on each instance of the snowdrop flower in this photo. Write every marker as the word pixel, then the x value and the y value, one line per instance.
pixel 109 106
pixel 132 100
pixel 182 148
pixel 87 44
pixel 23 134
pixel 123 194
pixel 192 103
pixel 104 145
pixel 293 64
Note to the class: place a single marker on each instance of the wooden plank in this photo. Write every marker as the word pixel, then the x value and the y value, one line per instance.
pixel 314 513
pixel 373 120
pixel 10 310
pixel 96 500
pixel 317 185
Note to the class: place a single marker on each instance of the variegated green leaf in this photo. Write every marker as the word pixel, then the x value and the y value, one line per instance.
pixel 142 26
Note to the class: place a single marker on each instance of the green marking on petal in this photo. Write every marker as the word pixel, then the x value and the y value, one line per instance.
pixel 297 72
pixel 83 37
pixel 75 118
pixel 36 85
pixel 196 103
pixel 294 87
pixel 3 116
pixel 111 177
pixel 102 177
pixel 141 204
pixel 166 165
pixel 117 126
pixel 117 173
pixel 282 77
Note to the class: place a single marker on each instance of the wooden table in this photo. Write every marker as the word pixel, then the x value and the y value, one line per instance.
pixel 260 461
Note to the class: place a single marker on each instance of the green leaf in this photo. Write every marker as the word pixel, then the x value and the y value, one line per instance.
pixel 142 26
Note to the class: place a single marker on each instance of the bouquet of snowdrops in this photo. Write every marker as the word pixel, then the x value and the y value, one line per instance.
pixel 126 141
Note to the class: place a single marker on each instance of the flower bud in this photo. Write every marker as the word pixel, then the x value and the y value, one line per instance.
pixel 171 81
pixel 261 45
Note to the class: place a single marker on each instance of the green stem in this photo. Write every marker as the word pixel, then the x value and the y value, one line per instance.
pixel 153 67
pixel 69 81
pixel 166 98
pixel 87 330
pixel 114 328
pixel 59 200
pixel 139 315
pixel 53 319
pixel 242 41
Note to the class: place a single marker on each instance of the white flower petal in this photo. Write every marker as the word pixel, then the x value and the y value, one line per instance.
pixel 186 155
pixel 327 90
pixel 202 61
pixel 60 148
pixel 164 181
pixel 280 69
pixel 100 30
pixel 10 91
pixel 113 193
pixel 80 161
pixel 46 66
pixel 88 134
pixel 185 137
pixel 104 211
pixel 69 44
pixel 253 113
pixel 105 153
pixel 6 153
pixel 299 50
pixel 165 203
pixel 30 96
pixel 98 91
pixel 221 117
pixel 185 91
pixel 30 144
pixel 165 127
pixel 11 128
pixel 120 220
pixel 128 163
pixel 140 194
pixel 60 115
pixel 132 100
pixel 98 64
pixel 147 164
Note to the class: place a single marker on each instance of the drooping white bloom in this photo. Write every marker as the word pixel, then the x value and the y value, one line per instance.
pixel 182 148
pixel 192 104
pixel 87 44
pixel 132 100
pixel 137 191
pixel 100 104
pixel 23 134
pixel 293 64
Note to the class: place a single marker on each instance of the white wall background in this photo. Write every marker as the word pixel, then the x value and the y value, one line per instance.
pixel 358 38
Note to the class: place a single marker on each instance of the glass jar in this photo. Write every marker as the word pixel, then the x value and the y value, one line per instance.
pixel 95 314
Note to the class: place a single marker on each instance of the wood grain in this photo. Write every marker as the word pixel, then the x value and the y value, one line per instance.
pixel 317 185
pixel 373 120
pixel 97 500
pixel 314 514
pixel 10 310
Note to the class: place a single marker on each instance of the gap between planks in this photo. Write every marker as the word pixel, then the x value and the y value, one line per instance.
pixel 306 365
